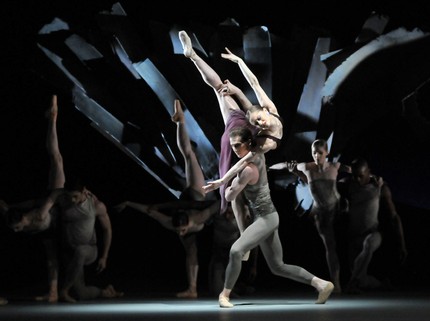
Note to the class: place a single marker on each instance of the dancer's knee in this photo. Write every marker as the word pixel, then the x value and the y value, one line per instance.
pixel 236 253
pixel 276 269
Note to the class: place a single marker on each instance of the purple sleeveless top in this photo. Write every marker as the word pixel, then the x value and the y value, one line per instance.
pixel 237 119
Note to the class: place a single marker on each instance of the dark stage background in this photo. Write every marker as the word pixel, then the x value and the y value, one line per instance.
pixel 145 259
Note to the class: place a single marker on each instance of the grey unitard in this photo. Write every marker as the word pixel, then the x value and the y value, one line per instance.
pixel 263 232
pixel 80 246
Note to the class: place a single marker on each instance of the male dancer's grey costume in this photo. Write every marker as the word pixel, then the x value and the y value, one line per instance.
pixel 263 232
pixel 80 246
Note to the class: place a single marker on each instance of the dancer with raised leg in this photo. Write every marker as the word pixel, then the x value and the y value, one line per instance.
pixel 233 114
pixel 186 220
pixel 39 217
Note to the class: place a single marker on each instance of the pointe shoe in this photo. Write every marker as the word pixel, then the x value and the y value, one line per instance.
pixel 186 44
pixel 224 302
pixel 324 294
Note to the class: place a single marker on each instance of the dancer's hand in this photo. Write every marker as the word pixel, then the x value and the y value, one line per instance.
pixel 120 207
pixel 230 56
pixel 228 89
pixel 211 186
pixel 101 264
pixel 291 166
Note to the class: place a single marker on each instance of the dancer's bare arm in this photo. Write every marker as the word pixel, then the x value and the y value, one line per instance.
pixel 161 218
pixel 106 227
pixel 228 89
pixel 261 95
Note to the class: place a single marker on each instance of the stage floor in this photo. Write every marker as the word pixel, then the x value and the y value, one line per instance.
pixel 410 306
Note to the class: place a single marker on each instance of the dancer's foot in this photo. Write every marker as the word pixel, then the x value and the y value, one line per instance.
pixel 187 294
pixel 324 293
pixel 52 112
pixel 65 297
pixel 178 116
pixel 50 297
pixel 3 301
pixel 110 292
pixel 224 302
pixel 186 44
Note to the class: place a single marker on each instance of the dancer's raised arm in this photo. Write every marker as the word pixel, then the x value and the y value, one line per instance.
pixel 261 95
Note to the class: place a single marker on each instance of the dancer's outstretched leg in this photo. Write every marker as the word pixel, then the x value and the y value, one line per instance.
pixel 194 175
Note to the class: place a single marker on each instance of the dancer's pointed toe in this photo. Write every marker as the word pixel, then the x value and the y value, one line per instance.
pixel 186 43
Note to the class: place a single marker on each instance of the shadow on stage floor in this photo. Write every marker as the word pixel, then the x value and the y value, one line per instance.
pixel 297 306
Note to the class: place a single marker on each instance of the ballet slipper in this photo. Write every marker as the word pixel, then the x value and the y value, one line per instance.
pixel 324 294
pixel 224 302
